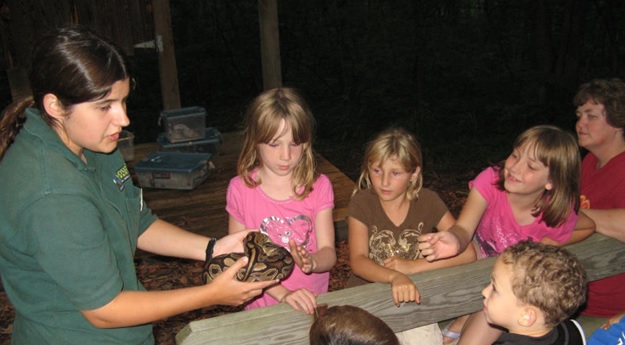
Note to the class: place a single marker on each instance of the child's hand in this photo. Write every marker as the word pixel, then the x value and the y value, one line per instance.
pixel 404 289
pixel 615 319
pixel 301 300
pixel 227 290
pixel 439 245
pixel 398 264
pixel 302 257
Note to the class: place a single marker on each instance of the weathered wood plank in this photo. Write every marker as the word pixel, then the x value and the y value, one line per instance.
pixel 446 293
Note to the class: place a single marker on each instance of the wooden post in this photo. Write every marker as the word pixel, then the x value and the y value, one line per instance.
pixel 164 40
pixel 270 43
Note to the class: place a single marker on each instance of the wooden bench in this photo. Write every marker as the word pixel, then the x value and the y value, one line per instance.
pixel 445 294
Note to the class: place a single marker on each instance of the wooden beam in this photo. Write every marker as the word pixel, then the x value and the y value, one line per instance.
pixel 164 38
pixel 446 293
pixel 270 43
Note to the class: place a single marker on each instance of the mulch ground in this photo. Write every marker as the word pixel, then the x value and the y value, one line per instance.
pixel 158 273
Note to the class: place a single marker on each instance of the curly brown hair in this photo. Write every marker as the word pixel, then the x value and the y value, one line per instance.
pixel 547 277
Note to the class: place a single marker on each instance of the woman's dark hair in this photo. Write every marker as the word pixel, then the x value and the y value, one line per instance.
pixel 75 65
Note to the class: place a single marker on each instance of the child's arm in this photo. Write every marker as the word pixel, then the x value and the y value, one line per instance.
pixel 410 267
pixel 234 225
pixel 446 244
pixel 403 288
pixel 325 257
pixel 614 319
pixel 301 299
pixel 584 227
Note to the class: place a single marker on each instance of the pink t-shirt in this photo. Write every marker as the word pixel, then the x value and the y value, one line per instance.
pixel 283 220
pixel 604 188
pixel 498 228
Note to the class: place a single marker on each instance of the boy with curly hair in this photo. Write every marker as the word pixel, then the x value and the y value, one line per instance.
pixel 534 289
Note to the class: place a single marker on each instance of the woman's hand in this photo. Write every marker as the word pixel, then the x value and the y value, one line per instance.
pixel 439 245
pixel 301 300
pixel 404 289
pixel 302 257
pixel 232 292
pixel 232 243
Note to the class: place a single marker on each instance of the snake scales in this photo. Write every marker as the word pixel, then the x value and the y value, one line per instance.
pixel 267 260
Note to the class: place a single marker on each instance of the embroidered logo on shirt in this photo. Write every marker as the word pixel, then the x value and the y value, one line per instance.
pixel 121 176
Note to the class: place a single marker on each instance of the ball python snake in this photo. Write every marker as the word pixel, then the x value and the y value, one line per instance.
pixel 267 260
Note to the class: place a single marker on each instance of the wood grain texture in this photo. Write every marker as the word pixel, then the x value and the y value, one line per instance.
pixel 446 293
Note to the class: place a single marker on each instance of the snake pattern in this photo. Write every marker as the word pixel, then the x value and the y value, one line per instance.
pixel 267 260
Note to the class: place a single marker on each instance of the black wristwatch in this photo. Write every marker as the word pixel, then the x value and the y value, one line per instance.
pixel 209 249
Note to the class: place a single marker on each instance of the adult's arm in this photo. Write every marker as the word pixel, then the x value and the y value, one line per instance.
pixel 166 239
pixel 609 222
pixel 130 308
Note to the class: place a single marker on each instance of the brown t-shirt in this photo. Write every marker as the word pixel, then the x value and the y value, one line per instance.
pixel 385 238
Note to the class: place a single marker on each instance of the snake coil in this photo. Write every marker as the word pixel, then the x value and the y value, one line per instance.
pixel 267 260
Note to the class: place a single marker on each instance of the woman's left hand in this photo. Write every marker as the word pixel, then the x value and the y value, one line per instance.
pixel 232 243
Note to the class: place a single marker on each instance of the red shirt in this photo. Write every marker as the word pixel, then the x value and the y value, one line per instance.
pixel 604 188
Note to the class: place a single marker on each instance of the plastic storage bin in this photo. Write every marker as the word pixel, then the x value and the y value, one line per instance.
pixel 173 170
pixel 184 124
pixel 125 145
pixel 210 143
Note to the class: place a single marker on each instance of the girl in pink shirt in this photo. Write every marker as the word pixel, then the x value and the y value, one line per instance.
pixel 279 192
pixel 533 194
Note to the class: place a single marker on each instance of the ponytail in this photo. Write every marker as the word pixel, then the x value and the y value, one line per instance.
pixel 12 120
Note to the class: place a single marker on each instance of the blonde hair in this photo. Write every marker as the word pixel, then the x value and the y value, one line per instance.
pixel 393 143
pixel 263 119
pixel 558 151
pixel 350 325
pixel 547 277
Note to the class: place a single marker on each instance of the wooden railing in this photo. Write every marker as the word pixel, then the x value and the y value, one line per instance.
pixel 445 294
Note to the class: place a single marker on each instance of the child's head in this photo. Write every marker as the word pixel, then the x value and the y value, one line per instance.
pixel 610 93
pixel 272 114
pixel 399 146
pixel 534 285
pixel 349 325
pixel 556 150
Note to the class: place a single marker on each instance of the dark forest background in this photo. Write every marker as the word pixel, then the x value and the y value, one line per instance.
pixel 466 76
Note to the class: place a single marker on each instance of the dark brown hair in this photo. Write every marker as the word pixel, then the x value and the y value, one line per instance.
pixel 610 93
pixel 75 65
pixel 349 325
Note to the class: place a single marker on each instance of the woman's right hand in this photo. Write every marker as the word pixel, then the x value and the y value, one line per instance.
pixel 404 289
pixel 230 291
pixel 439 245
